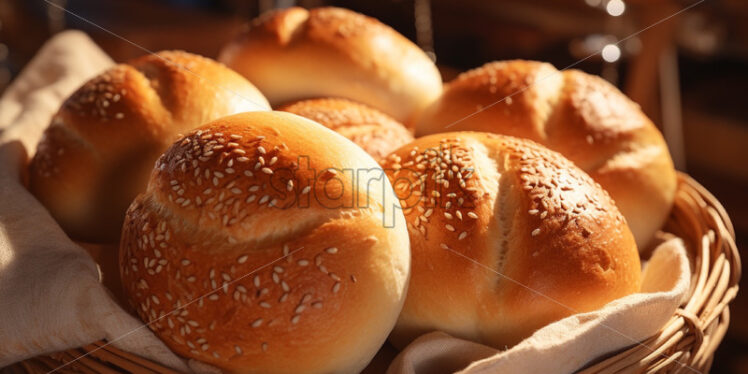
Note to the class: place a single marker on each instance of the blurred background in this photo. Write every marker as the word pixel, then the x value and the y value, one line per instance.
pixel 688 71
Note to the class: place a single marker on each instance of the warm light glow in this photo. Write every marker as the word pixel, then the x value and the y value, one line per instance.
pixel 615 7
pixel 611 53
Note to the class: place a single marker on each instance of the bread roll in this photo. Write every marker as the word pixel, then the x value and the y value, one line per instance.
pixel 97 153
pixel 258 207
pixel 506 237
pixel 294 54
pixel 377 133
pixel 581 116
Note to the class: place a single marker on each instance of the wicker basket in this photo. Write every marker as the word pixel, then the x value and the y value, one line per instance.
pixel 685 344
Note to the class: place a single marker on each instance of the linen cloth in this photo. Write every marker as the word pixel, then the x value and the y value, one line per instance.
pixel 52 298
pixel 567 345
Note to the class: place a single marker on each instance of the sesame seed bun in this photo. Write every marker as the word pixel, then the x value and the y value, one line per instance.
pixel 99 149
pixel 294 53
pixel 581 116
pixel 256 207
pixel 506 237
pixel 377 133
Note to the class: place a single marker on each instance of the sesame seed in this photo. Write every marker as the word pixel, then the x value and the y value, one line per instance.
pixel 472 215
pixel 267 170
pixel 261 149
pixel 242 259
pixel 331 250
pixel 535 232
pixel 265 304
pixel 238 349
pixel 295 319
pixel 462 235
pixel 336 287
pixel 306 190
pixel 302 262
pixel 449 227
pixel 257 323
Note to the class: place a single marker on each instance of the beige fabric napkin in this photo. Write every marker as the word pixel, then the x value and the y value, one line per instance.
pixel 51 297
pixel 567 345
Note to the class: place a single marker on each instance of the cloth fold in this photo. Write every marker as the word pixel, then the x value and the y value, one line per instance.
pixel 52 298
pixel 566 345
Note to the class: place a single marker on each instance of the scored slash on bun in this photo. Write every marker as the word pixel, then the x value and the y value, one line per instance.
pixel 377 133
pixel 97 153
pixel 294 53
pixel 581 116
pixel 246 205
pixel 506 237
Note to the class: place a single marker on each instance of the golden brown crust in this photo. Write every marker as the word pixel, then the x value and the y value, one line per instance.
pixel 377 133
pixel 506 237
pixel 247 205
pixel 581 116
pixel 100 147
pixel 294 54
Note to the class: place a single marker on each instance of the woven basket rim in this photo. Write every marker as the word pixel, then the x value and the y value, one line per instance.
pixel 685 344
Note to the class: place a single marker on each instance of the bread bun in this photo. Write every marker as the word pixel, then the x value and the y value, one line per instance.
pixel 294 53
pixel 97 153
pixel 377 133
pixel 259 207
pixel 581 116
pixel 506 237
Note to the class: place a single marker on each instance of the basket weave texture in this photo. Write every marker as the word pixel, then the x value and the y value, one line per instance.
pixel 686 344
